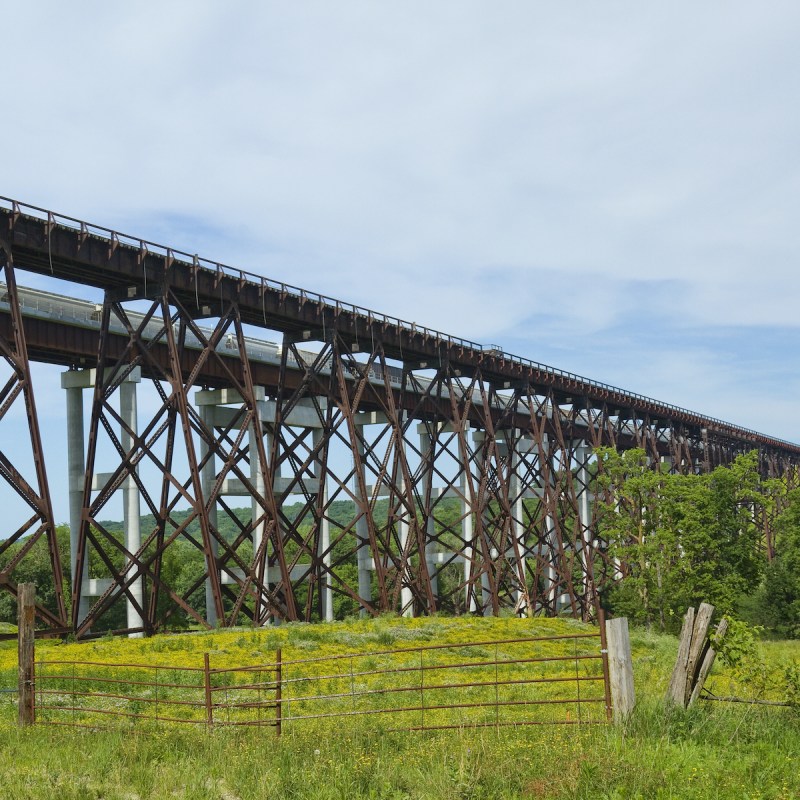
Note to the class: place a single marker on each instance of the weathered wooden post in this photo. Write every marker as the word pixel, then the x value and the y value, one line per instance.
pixel 702 624
pixel 620 668
pixel 695 656
pixel 26 614
pixel 676 693
pixel 708 662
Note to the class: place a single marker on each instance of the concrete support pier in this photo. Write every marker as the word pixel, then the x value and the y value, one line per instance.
pixel 364 554
pixel 324 547
pixel 584 498
pixel 75 382
pixel 130 496
pixel 208 475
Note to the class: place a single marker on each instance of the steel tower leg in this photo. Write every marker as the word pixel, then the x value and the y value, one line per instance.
pixel 468 534
pixel 583 542
pixel 488 553
pixel 35 493
pixel 406 594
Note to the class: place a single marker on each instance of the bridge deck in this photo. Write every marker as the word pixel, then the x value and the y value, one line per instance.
pixel 63 247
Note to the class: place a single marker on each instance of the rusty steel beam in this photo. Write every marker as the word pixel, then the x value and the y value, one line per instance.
pixel 34 493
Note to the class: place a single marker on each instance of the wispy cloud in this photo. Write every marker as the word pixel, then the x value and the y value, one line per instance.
pixel 612 187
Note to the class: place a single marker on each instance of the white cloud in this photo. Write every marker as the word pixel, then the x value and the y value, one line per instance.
pixel 486 170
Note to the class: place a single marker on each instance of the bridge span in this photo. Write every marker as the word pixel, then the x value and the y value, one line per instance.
pixel 384 466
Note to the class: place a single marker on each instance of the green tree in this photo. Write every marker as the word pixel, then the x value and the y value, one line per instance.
pixel 36 568
pixel 679 539
pixel 777 605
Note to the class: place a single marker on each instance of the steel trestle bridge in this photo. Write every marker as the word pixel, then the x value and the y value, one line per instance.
pixel 385 464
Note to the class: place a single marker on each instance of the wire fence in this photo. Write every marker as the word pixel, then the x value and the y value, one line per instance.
pixel 556 680
pixel 96 694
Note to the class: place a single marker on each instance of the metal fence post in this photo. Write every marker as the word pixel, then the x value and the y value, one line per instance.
pixel 278 697
pixel 601 622
pixel 207 683
pixel 26 612
pixel 496 692
pixel 422 689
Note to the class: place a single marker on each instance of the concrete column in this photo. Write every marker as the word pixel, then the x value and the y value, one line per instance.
pixel 518 513
pixel 326 592
pixel 406 595
pixel 130 499
pixel 74 382
pixel 362 533
pixel 76 469
pixel 425 445
pixel 551 573
pixel 486 592
pixel 207 478
pixel 582 453
pixel 257 474
pixel 478 438
pixel 547 548
pixel 468 534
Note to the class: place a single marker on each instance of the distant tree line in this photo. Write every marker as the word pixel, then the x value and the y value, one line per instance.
pixel 679 540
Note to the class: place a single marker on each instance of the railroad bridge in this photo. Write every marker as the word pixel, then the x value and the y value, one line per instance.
pixel 379 461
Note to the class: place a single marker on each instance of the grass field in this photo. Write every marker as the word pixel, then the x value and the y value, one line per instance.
pixel 713 751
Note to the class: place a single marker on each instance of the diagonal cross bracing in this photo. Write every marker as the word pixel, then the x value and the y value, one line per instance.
pixel 387 467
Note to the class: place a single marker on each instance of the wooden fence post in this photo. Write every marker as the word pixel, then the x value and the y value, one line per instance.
pixel 620 667
pixel 26 614
pixel 708 662
pixel 676 692
pixel 702 623
pixel 695 656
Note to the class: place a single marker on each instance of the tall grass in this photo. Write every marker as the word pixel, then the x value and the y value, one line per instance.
pixel 711 751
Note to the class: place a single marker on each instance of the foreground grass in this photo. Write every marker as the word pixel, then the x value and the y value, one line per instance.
pixel 714 751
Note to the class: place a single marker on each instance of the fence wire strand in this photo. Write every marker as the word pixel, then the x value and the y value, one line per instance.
pixel 458 686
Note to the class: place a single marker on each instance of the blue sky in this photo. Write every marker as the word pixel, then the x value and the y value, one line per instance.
pixel 609 188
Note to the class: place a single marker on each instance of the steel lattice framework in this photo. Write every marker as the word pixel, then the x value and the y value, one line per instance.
pixel 385 464
pixel 35 494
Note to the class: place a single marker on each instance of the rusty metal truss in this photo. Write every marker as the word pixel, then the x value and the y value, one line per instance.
pixel 385 467
pixel 39 529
